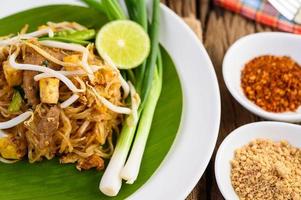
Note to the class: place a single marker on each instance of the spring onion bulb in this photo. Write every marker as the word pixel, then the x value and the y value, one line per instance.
pixel 67 73
pixel 15 121
pixel 64 79
pixel 111 180
pixel 132 167
pixel 72 47
pixel 18 38
pixel 109 105
pixel 124 85
pixel 69 101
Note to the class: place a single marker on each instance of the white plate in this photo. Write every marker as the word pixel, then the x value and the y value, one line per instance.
pixel 195 142
pixel 275 131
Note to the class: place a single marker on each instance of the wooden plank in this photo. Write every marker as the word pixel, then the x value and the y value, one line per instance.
pixel 222 30
pixel 188 11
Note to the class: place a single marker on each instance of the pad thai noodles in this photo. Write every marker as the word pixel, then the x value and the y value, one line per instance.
pixel 83 97
pixel 59 99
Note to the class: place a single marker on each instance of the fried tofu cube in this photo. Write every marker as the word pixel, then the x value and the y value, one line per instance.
pixel 8 149
pixel 72 59
pixel 13 76
pixel 49 90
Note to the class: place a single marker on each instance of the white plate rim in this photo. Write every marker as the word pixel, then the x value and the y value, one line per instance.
pixel 168 172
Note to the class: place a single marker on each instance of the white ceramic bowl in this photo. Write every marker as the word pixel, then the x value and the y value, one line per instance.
pixel 275 131
pixel 249 47
pixel 195 142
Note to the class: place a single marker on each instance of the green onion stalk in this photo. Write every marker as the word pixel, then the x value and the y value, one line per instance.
pixel 148 82
pixel 110 7
pixel 117 170
pixel 145 76
pixel 132 167
pixel 137 11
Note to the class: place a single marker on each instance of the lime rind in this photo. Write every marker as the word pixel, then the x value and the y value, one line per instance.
pixel 124 42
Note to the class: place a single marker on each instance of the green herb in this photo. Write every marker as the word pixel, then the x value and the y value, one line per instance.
pixel 16 102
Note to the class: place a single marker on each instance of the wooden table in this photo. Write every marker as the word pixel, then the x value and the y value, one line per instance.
pixel 218 29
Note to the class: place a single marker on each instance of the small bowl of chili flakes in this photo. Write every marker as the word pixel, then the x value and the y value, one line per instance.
pixel 262 72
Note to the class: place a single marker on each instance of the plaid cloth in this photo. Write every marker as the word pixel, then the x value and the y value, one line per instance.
pixel 261 11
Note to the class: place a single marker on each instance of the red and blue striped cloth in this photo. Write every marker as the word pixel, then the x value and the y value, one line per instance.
pixel 261 11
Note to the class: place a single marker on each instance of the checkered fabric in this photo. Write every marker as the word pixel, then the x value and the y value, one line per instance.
pixel 261 11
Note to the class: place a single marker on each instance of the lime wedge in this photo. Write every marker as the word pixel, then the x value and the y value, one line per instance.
pixel 124 42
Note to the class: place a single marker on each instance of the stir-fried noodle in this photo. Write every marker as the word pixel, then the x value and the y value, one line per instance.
pixel 78 126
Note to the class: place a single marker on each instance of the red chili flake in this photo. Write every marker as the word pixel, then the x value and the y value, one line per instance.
pixel 273 83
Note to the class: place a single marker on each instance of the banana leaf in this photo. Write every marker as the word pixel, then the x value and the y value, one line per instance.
pixel 49 180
